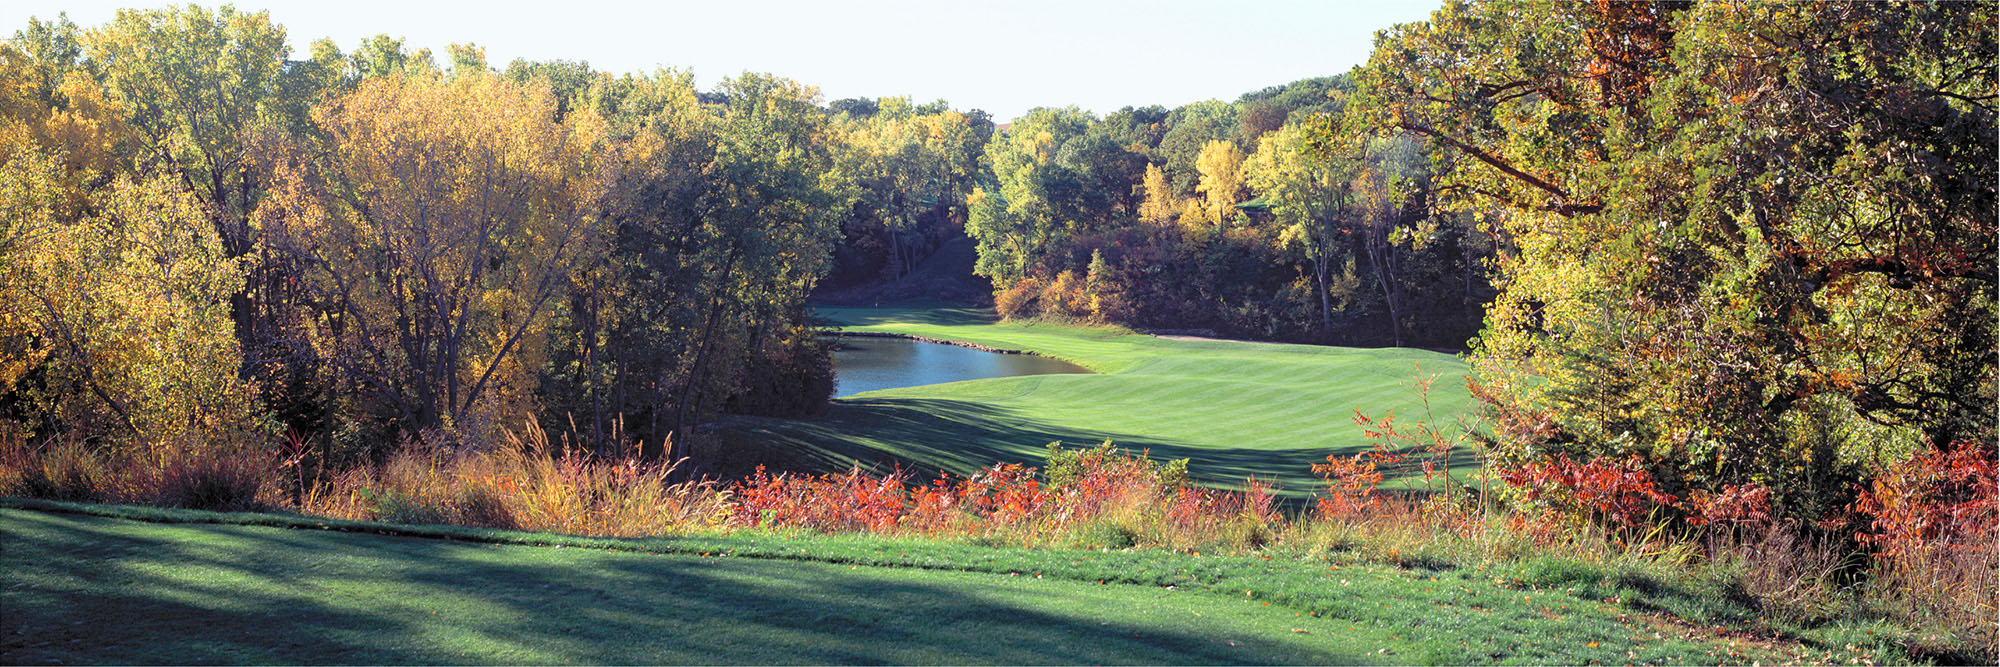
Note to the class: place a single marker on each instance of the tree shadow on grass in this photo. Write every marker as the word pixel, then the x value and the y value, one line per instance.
pixel 930 435
pixel 95 590
pixel 854 316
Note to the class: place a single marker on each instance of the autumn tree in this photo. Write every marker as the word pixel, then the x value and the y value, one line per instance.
pixel 434 233
pixel 1191 129
pixel 721 219
pixel 1221 167
pixel 1389 198
pixel 912 172
pixel 1159 206
pixel 774 217
pixel 118 323
pixel 1312 197
pixel 196 81
pixel 1034 202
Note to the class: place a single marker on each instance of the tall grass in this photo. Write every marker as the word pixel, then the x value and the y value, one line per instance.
pixel 216 478
pixel 528 483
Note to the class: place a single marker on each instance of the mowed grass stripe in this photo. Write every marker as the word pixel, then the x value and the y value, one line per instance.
pixel 1233 409
pixel 95 590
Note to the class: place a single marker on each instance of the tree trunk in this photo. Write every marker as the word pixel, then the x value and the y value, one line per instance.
pixel 1382 257
pixel 1325 301
pixel 714 318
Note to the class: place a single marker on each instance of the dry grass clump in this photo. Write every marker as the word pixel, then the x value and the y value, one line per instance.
pixel 227 481
pixel 526 483
pixel 213 478
pixel 56 470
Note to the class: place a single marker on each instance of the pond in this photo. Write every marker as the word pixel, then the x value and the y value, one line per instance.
pixel 867 364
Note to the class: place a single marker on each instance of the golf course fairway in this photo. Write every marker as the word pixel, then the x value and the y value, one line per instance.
pixel 1234 409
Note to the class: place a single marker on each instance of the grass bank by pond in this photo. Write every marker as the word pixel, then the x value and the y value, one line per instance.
pixel 257 588
pixel 1234 409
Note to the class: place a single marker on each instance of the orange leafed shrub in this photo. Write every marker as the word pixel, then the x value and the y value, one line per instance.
pixel 1019 300
pixel 855 501
pixel 848 502
pixel 1734 505
pixel 1942 498
pixel 1350 485
pixel 1620 493
pixel 1066 296
pixel 1934 524
pixel 1006 493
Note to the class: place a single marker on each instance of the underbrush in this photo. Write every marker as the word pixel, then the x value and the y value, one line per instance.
pixel 170 476
pixel 1921 584
pixel 527 483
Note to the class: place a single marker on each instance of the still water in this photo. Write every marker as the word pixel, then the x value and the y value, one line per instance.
pixel 867 364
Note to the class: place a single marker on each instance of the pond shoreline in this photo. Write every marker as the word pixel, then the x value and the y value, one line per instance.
pixel 925 339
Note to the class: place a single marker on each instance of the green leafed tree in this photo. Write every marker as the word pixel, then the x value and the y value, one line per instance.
pixel 1747 242
pixel 196 81
pixel 1035 202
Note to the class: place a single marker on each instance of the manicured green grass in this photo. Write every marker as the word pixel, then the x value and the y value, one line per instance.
pixel 99 589
pixel 1234 409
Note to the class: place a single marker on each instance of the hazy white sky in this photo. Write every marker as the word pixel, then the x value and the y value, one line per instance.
pixel 1004 57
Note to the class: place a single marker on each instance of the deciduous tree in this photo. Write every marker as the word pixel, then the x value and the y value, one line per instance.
pixel 443 221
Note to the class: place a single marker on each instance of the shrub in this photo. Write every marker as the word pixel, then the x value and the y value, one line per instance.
pixel 1005 494
pixel 1350 486
pixel 220 481
pixel 1064 467
pixel 1066 296
pixel 1601 491
pixel 1934 528
pixel 1019 300
pixel 853 501
pixel 61 471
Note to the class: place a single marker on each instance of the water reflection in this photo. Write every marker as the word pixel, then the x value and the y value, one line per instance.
pixel 867 364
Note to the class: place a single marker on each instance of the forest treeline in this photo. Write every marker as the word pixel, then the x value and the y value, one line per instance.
pixel 1738 245
pixel 210 243
pixel 1735 245
pixel 213 240
pixel 1241 218
pixel 1724 271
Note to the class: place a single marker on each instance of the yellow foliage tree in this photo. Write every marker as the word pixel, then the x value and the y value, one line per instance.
pixel 75 122
pixel 1159 206
pixel 1221 168
pixel 124 312
pixel 440 223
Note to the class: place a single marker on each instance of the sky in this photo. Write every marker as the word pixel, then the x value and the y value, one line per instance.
pixel 1003 57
